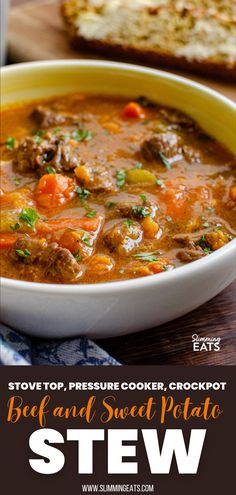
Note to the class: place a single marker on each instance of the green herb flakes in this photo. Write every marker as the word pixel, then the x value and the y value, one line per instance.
pixel 86 240
pixel 23 253
pixel 207 250
pixel 120 178
pixel 148 257
pixel 15 227
pixel 82 193
pixel 128 222
pixel 91 214
pixel 143 198
pixel 81 135
pixel 29 216
pixel 141 211
pixel 110 204
pixel 38 135
pixel 16 180
pixel 78 257
pixel 56 130
pixel 10 143
pixel 50 170
pixel 160 182
pixel 165 161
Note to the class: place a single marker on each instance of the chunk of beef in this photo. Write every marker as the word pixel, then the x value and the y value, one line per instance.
pixel 191 249
pixel 135 210
pixel 54 150
pixel 195 247
pixel 56 262
pixel 101 180
pixel 190 154
pixel 46 117
pixel 59 263
pixel 183 239
pixel 97 178
pixel 177 118
pixel 167 143
pixel 26 250
pixel 123 237
pixel 191 254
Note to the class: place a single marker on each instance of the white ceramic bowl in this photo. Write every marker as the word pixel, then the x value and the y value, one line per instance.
pixel 118 308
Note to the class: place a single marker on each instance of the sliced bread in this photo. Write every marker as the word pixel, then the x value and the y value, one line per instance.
pixel 199 35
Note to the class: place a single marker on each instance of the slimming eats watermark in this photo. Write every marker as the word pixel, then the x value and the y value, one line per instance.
pixel 201 344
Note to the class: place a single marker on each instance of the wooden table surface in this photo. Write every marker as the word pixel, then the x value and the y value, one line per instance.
pixel 171 343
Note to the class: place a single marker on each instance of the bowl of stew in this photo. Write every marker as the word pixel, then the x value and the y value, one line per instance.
pixel 118 197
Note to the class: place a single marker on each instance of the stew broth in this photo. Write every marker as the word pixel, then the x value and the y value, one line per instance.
pixel 98 189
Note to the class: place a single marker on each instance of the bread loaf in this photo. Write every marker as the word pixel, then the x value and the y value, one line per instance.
pixel 199 35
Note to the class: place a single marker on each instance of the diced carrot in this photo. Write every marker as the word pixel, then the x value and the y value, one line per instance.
pixel 134 111
pixel 89 224
pixel 6 240
pixel 54 190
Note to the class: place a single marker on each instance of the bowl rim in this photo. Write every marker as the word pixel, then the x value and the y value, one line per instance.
pixel 162 74
pixel 140 282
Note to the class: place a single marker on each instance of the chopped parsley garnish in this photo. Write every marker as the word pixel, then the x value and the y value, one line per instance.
pixel 16 180
pixel 56 130
pixel 207 250
pixel 81 135
pixel 15 227
pixel 164 160
pixel 205 225
pixel 210 208
pixel 169 219
pixel 23 253
pixel 143 198
pixel 138 165
pixel 38 136
pixel 78 257
pixel 82 193
pixel 201 242
pixel 128 222
pixel 110 204
pixel 50 170
pixel 160 182
pixel 86 240
pixel 120 178
pixel 10 143
pixel 145 256
pixel 91 214
pixel 29 216
pixel 141 211
pixel 166 268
